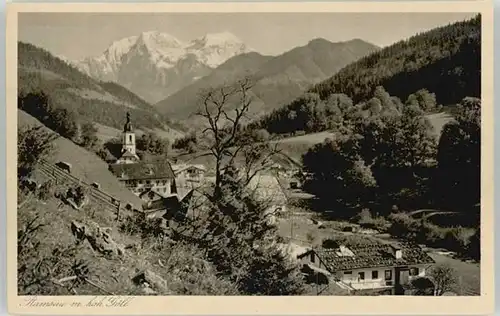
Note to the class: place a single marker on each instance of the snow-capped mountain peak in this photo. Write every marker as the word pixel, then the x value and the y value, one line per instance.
pixel 214 49
pixel 160 58
pixel 119 48
pixel 157 40
pixel 216 39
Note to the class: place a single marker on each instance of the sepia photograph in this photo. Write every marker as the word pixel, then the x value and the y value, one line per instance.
pixel 248 154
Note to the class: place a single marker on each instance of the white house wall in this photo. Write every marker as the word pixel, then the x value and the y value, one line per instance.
pixel 368 282
pixel 379 282
pixel 161 186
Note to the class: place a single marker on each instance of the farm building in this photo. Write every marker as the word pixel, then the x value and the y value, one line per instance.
pixel 268 190
pixel 189 176
pixel 169 208
pixel 370 267
pixel 143 177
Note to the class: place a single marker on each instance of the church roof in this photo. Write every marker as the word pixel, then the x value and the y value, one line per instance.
pixel 143 170
pixel 128 126
pixel 128 154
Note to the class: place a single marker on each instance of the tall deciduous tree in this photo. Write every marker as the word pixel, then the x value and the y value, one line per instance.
pixel 235 232
pixel 459 156
pixel 444 277
pixel 88 135
pixel 338 171
pixel 153 144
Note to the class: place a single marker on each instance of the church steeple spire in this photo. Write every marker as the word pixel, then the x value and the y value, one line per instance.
pixel 128 126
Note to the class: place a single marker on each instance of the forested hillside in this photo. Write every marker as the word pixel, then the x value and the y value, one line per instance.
pixel 445 61
pixel 79 95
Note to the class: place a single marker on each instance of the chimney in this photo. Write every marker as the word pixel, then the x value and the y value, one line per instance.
pixel 342 248
pixel 397 251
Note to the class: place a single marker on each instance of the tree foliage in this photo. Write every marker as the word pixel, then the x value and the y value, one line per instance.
pixel 380 151
pixel 88 135
pixel 153 144
pixel 444 277
pixel 60 120
pixel 33 144
pixel 459 156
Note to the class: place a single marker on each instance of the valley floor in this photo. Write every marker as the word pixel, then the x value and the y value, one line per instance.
pixel 307 229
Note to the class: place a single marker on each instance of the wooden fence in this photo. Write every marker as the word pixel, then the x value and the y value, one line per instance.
pixel 98 195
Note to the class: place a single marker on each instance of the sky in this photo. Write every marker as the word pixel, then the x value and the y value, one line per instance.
pixel 79 35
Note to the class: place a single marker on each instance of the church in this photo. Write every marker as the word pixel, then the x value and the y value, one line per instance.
pixel 128 154
pixel 146 179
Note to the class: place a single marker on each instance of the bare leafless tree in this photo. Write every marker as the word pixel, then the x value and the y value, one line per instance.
pixel 225 109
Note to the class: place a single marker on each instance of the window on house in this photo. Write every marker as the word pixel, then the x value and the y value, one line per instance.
pixel 348 273
pixel 374 275
pixel 414 271
pixel 361 275
pixel 130 138
pixel 313 257
pixel 388 274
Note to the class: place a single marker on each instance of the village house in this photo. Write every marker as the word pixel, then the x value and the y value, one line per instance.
pixel 389 268
pixel 268 190
pixel 188 176
pixel 144 177
pixel 171 208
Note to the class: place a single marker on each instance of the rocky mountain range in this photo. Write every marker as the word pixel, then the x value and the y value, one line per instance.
pixel 154 64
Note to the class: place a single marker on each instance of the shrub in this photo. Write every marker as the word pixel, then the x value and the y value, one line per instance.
pixel 347 240
pixel 46 190
pixel 330 243
pixel 402 225
pixel 366 220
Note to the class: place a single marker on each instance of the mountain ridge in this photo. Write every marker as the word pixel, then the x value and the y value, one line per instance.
pixel 277 79
pixel 155 64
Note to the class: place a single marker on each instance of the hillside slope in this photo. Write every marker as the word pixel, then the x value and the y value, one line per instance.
pixel 277 80
pixel 68 88
pixel 85 165
pixel 445 60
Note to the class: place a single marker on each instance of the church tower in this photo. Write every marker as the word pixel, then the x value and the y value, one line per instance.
pixel 128 141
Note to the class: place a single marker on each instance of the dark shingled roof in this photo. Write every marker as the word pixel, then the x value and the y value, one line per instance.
pixel 372 256
pixel 142 170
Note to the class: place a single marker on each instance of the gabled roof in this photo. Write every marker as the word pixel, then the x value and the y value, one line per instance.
pixel 143 171
pixel 171 204
pixel 181 167
pixel 268 189
pixel 372 256
pixel 177 209
pixel 148 192
pixel 129 154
